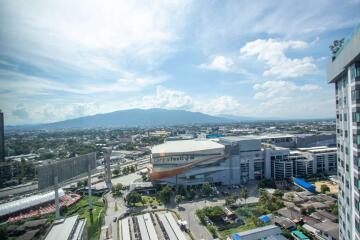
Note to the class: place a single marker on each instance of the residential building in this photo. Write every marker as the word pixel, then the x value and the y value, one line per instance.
pixel 5 166
pixel 314 160
pixel 344 72
pixel 2 137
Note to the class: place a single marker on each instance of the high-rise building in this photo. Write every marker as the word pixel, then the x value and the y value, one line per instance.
pixel 5 167
pixel 344 71
pixel 2 137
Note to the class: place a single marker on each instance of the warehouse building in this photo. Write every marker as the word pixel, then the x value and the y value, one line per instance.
pixel 72 228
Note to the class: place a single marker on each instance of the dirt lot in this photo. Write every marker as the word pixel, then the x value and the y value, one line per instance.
pixel 334 187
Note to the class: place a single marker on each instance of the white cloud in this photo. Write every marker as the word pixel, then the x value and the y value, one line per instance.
pixel 220 105
pixel 174 99
pixel 87 36
pixel 27 84
pixel 276 89
pixel 219 63
pixel 272 53
pixel 167 98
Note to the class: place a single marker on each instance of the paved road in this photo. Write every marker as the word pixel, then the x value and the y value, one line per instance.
pixel 111 211
pixel 188 213
pixel 124 180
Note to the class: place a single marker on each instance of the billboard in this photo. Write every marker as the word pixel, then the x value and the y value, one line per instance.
pixel 65 170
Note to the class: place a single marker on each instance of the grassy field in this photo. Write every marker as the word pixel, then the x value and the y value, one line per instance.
pixel 82 209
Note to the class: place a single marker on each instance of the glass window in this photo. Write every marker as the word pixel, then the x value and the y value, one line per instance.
pixel 357 139
pixel 357 182
pixel 345 116
pixel 355 95
pixel 355 71
pixel 356 116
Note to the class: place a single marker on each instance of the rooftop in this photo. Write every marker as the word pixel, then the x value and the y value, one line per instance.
pixel 345 56
pixel 63 229
pixel 268 232
pixel 186 146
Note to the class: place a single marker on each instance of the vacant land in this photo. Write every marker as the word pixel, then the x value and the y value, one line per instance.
pixel 334 187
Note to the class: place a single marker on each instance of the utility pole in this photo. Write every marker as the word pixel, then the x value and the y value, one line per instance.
pixel 57 201
pixel 107 154
pixel 90 194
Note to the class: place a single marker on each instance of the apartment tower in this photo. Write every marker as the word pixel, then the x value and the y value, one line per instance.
pixel 344 72
pixel 2 137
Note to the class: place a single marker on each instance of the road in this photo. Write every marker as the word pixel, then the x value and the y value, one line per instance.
pixel 188 212
pixel 124 180
pixel 112 211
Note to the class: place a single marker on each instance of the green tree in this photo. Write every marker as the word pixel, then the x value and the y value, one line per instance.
pixel 214 212
pixel 165 194
pixel 178 199
pixel 206 189
pixel 244 194
pixel 229 200
pixel 334 209
pixel 125 170
pixel 116 172
pixel 3 233
pixel 291 197
pixel 101 176
pixel 191 194
pixel 278 193
pixel 263 196
pixel 213 231
pixel 324 188
pixel 117 187
pixel 85 182
pixel 79 184
pixel 310 210
pixel 133 198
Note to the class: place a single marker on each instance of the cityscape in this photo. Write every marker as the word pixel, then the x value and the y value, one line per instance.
pixel 179 120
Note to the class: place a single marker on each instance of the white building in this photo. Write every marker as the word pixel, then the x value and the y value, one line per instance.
pixel 344 71
pixel 314 161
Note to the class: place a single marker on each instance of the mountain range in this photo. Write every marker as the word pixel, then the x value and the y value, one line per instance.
pixel 131 118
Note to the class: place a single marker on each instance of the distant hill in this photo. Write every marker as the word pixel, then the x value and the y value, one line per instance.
pixel 132 118
pixel 238 118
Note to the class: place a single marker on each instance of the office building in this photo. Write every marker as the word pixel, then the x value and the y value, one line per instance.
pixel 344 72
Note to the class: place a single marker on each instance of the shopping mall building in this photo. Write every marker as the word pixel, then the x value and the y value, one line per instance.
pixel 235 160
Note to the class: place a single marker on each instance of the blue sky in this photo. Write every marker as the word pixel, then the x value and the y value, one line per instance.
pixel 65 59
